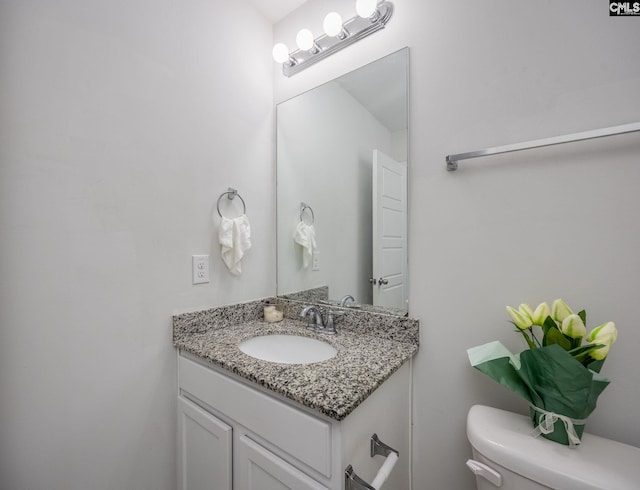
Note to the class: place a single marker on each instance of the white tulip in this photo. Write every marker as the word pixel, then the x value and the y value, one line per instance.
pixel 560 310
pixel 573 326
pixel 540 314
pixel 605 334
pixel 520 317
pixel 607 328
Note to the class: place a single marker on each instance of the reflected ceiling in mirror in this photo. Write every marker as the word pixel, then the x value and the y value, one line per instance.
pixel 342 190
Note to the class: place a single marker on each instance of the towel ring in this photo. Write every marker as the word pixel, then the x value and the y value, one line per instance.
pixel 304 206
pixel 231 194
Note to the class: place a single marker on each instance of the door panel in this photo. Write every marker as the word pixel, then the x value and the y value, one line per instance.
pixel 389 231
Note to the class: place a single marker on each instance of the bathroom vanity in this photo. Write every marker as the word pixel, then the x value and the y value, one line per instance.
pixel 245 423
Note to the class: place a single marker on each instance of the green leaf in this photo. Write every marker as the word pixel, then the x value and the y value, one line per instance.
pixel 549 323
pixel 575 343
pixel 555 336
pixel 585 349
pixel 583 316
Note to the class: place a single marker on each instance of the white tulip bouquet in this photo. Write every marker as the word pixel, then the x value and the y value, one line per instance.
pixel 559 374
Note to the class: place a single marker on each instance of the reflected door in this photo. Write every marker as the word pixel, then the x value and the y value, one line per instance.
pixel 389 232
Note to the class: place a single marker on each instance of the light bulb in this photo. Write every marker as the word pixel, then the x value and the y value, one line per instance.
pixel 332 24
pixel 304 39
pixel 366 8
pixel 280 53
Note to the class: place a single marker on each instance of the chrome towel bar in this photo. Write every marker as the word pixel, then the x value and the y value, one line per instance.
pixel 452 160
pixel 354 482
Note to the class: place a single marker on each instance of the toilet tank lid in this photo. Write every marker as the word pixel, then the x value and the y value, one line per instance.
pixel 598 463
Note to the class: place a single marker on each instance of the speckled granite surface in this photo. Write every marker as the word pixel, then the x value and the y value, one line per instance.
pixel 320 295
pixel 370 348
pixel 310 295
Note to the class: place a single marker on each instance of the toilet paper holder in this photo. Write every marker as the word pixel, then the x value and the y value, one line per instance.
pixel 353 482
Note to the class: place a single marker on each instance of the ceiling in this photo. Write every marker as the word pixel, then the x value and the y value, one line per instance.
pixel 276 10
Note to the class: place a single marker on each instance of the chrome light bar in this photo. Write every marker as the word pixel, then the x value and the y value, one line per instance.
pixel 353 30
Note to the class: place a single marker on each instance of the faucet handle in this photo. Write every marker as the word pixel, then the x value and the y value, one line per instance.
pixel 330 327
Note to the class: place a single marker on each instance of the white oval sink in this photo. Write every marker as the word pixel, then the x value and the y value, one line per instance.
pixel 288 349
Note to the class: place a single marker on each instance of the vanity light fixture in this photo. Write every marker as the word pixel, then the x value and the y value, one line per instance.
pixel 281 53
pixel 332 25
pixel 366 8
pixel 372 16
pixel 305 41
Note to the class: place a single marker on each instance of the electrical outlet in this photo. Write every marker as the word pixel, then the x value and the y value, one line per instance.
pixel 315 261
pixel 200 268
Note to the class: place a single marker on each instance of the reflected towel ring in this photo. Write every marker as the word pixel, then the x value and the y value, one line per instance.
pixel 304 206
pixel 231 194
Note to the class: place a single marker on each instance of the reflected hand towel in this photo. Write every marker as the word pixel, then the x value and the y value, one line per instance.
pixel 305 236
pixel 235 239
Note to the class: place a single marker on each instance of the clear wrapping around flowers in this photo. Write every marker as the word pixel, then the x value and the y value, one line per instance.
pixel 547 377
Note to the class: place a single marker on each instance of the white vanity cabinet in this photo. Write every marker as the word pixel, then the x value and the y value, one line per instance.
pixel 233 434
pixel 204 449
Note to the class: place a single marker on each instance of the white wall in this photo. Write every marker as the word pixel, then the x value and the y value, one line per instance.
pixel 531 226
pixel 325 143
pixel 121 124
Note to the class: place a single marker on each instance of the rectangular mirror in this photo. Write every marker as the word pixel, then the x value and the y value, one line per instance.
pixel 342 184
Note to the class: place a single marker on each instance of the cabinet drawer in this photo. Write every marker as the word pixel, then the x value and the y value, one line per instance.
pixel 299 434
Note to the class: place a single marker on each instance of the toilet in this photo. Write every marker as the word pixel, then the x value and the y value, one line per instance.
pixel 506 456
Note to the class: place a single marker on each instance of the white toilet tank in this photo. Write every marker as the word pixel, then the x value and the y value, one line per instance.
pixel 506 456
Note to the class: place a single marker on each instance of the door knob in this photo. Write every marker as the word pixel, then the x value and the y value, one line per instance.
pixel 372 280
pixel 382 281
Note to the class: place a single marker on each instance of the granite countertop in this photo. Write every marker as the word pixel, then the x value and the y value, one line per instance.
pixel 334 387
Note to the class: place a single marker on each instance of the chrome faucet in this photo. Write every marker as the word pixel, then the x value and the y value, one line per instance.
pixel 315 316
pixel 316 322
pixel 345 298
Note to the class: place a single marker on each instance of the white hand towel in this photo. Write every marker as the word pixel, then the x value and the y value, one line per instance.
pixel 235 239
pixel 305 236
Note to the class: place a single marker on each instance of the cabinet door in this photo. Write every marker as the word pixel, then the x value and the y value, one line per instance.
pixel 259 469
pixel 204 449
